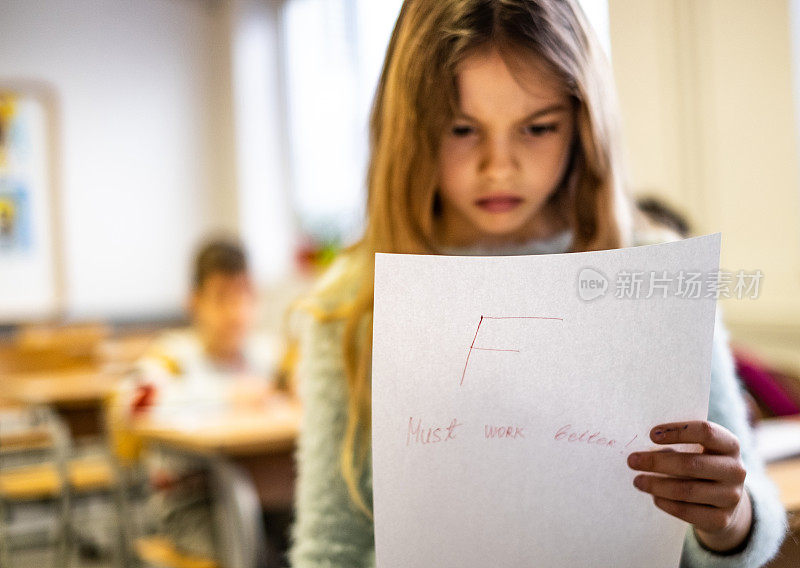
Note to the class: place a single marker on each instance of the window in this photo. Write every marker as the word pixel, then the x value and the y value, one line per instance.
pixel 333 52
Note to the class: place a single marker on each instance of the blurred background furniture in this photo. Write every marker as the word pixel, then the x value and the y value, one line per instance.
pixel 250 460
pixel 34 454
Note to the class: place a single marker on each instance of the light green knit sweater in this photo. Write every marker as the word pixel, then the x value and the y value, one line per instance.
pixel 330 532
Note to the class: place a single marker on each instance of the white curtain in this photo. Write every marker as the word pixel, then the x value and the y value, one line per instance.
pixel 333 50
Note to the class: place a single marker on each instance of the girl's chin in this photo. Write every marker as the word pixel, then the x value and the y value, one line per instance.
pixel 495 229
pixel 503 234
pixel 501 224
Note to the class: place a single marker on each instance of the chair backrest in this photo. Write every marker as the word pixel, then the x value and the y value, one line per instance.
pixel 30 436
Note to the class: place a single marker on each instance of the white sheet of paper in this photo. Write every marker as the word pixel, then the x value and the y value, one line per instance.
pixel 505 404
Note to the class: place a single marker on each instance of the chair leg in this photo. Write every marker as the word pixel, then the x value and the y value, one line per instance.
pixel 5 559
pixel 125 532
pixel 66 535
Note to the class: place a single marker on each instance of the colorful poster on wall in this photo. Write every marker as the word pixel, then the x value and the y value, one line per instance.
pixel 17 163
pixel 7 114
pixel 28 283
pixel 15 228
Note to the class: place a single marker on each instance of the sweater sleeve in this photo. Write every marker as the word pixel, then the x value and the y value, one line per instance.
pixel 727 408
pixel 328 531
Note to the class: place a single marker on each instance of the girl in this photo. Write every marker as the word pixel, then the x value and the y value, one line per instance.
pixel 494 131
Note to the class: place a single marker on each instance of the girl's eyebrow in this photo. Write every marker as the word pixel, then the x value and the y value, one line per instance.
pixel 557 107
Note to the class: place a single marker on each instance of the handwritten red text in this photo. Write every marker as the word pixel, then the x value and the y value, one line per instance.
pixel 419 434
pixel 508 432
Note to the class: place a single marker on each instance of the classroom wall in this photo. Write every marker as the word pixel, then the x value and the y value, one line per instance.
pixel 708 105
pixel 145 143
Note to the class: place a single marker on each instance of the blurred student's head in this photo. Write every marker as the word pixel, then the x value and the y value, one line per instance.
pixel 223 300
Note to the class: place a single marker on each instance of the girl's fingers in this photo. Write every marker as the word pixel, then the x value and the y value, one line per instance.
pixel 690 465
pixel 690 491
pixel 703 517
pixel 714 438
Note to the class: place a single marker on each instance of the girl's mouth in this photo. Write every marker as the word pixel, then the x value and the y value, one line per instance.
pixel 498 203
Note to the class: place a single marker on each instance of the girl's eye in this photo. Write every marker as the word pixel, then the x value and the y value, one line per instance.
pixel 462 130
pixel 541 129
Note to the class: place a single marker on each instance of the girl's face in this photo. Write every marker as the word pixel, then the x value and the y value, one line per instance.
pixel 504 153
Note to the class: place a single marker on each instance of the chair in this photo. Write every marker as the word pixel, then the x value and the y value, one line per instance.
pixel 34 449
pixel 237 517
pixel 237 520
pixel 235 506
pixel 38 465
pixel 155 551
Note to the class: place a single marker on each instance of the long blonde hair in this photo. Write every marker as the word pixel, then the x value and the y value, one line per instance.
pixel 415 99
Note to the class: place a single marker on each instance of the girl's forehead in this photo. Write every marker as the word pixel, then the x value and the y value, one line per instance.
pixel 488 84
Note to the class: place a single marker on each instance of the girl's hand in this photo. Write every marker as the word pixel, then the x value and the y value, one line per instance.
pixel 704 489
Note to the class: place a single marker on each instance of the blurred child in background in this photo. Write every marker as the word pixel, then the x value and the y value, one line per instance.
pixel 197 365
pixel 218 365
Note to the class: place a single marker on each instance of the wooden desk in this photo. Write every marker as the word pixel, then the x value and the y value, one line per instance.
pixel 261 442
pixel 252 450
pixel 76 395
pixel 252 432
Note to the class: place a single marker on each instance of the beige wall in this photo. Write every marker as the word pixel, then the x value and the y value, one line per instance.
pixel 169 129
pixel 142 141
pixel 708 114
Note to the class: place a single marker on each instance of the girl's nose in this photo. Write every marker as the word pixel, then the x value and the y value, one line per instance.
pixel 498 159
